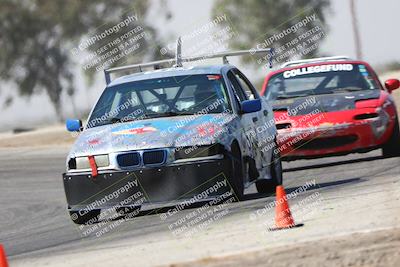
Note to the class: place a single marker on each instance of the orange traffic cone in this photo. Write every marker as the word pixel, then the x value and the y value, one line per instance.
pixel 3 258
pixel 283 216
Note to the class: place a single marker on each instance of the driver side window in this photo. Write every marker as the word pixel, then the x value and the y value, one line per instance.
pixel 237 89
pixel 245 84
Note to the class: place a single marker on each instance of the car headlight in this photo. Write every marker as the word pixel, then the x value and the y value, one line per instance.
pixel 379 126
pixel 79 163
pixel 195 151
pixel 387 103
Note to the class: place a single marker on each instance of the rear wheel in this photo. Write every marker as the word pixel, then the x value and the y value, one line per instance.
pixel 237 172
pixel 86 217
pixel 269 186
pixel 392 147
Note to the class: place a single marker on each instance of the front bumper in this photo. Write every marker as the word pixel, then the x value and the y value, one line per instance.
pixel 336 139
pixel 147 185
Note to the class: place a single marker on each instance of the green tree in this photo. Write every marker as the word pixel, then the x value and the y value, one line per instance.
pixel 37 37
pixel 256 20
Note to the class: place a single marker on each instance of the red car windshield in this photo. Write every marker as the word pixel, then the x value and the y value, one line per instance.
pixel 321 79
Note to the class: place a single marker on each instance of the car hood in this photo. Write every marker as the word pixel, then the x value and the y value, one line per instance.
pixel 324 103
pixel 151 133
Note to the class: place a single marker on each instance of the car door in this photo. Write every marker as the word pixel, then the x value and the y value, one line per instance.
pixel 263 122
pixel 248 131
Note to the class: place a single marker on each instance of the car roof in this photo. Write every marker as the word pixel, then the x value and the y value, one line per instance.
pixel 170 72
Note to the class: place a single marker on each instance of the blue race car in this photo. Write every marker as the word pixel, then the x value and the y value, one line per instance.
pixel 168 135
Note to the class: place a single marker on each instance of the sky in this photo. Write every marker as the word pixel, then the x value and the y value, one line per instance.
pixel 378 22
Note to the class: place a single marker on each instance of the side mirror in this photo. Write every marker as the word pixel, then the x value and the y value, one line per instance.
pixel 392 84
pixel 73 125
pixel 249 106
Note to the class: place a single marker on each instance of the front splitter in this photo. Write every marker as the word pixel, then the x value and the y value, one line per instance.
pixel 151 185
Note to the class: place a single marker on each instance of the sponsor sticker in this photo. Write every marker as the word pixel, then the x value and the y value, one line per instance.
pixel 317 69
pixel 213 77
pixel 138 130
pixel 95 141
pixel 363 70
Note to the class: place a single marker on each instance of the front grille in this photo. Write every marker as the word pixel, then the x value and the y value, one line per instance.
pixel 326 142
pixel 280 126
pixel 154 157
pixel 366 116
pixel 128 159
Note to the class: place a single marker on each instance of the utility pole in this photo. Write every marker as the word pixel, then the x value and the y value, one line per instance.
pixel 356 33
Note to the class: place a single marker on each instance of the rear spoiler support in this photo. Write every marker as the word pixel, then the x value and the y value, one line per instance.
pixel 179 60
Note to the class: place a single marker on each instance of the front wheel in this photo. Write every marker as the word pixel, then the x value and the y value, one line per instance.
pixel 392 147
pixel 269 186
pixel 85 217
pixel 237 173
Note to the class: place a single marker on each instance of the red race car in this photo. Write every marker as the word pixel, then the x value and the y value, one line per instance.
pixel 332 106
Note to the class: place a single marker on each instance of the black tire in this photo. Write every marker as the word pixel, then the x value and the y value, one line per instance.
pixel 392 146
pixel 269 186
pixel 90 217
pixel 237 172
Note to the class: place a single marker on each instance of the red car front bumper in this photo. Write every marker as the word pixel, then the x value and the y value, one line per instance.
pixel 337 137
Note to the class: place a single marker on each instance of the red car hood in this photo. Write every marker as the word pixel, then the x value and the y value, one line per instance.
pixel 327 109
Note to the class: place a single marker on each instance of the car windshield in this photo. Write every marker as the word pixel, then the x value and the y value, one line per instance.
pixel 318 80
pixel 161 97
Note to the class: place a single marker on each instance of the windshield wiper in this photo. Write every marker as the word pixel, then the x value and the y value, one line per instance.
pixel 117 120
pixel 348 89
pixel 290 96
pixel 279 108
pixel 168 114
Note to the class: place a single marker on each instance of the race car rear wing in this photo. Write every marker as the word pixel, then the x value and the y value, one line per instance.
pixel 179 60
pixel 313 60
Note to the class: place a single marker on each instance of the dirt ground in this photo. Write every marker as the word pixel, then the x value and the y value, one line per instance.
pixel 55 135
pixel 379 248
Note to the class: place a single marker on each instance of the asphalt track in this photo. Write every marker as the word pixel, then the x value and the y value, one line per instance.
pixel 34 223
